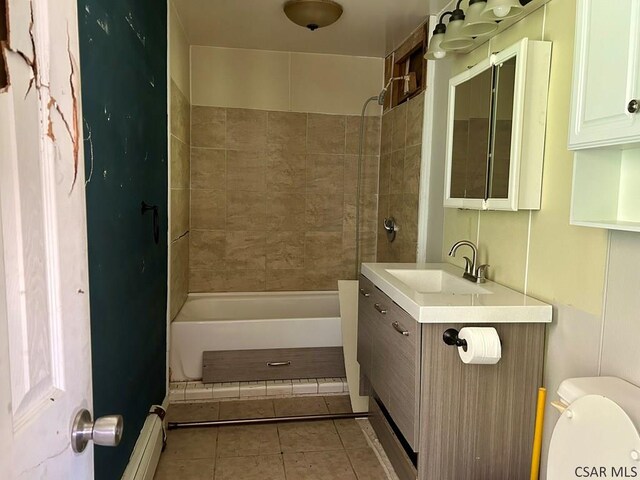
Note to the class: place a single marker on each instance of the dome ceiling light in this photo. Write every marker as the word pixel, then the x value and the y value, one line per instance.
pixel 312 14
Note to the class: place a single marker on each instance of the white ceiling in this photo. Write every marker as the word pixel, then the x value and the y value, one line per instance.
pixel 370 28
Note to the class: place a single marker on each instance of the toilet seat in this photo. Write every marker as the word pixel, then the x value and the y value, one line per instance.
pixel 593 432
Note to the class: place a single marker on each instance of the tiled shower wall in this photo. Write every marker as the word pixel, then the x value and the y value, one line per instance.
pixel 179 218
pixel 273 199
pixel 399 183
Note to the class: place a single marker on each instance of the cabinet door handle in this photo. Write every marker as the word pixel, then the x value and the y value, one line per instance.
pixel 633 106
pixel 379 308
pixel 278 364
pixel 364 293
pixel 400 329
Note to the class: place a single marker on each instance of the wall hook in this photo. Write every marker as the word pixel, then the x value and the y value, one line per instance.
pixel 144 208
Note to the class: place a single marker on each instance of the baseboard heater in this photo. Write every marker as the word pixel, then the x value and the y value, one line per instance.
pixel 146 452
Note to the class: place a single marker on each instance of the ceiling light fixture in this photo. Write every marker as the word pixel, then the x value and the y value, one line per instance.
pixel 475 24
pixel 455 38
pixel 435 51
pixel 312 14
pixel 501 9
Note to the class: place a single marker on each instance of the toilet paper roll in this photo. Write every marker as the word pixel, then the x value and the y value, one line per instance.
pixel 483 345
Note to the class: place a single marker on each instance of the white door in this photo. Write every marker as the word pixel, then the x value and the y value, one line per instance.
pixel 45 349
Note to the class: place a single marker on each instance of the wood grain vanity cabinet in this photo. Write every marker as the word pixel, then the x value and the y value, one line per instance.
pixel 455 421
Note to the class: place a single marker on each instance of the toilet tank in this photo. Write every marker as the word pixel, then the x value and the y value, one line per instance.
pixel 625 394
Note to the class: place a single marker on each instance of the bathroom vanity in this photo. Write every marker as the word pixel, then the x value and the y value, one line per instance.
pixel 436 416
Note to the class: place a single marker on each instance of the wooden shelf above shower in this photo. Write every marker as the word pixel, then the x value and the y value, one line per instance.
pixel 407 59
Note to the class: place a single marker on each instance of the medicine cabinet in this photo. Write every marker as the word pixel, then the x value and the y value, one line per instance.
pixel 496 129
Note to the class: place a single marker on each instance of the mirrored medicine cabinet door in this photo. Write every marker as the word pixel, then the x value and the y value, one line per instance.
pixel 488 128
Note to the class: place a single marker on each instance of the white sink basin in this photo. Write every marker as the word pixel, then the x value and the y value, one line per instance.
pixel 437 293
pixel 436 281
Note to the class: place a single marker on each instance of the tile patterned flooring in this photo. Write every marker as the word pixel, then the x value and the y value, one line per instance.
pixel 312 450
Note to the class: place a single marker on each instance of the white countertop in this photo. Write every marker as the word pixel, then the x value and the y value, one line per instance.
pixel 496 303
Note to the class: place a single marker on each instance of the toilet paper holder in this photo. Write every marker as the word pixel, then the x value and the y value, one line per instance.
pixel 450 337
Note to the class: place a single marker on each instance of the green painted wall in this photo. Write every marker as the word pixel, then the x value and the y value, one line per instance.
pixel 124 104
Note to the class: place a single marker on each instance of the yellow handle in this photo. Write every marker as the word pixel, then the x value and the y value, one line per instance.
pixel 537 437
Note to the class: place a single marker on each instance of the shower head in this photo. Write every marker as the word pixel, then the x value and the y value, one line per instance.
pixel 383 92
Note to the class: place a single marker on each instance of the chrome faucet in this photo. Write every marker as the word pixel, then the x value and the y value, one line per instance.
pixel 472 272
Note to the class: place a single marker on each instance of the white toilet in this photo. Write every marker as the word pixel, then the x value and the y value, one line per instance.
pixel 597 434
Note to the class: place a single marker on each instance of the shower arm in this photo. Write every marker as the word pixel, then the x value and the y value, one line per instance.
pixel 383 93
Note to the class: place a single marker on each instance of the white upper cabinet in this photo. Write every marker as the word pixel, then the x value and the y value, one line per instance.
pixel 606 75
pixel 496 128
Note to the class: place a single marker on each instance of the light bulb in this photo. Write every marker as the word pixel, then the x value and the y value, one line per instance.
pixel 501 11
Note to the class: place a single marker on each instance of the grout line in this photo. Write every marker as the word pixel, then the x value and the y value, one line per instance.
pixel 603 315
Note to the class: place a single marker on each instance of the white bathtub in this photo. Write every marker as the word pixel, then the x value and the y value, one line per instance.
pixel 245 321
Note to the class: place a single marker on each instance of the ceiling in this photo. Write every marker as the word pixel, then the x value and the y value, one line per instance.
pixel 371 28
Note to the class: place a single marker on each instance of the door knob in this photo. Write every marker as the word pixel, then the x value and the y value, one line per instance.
pixel 105 431
pixel 633 106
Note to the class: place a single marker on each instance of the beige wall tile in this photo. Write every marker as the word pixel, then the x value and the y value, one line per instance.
pixel 285 211
pixel 207 249
pixel 203 281
pixel 386 132
pixel 208 127
pixel 349 214
pixel 323 212
pixel 246 210
pixel 246 129
pixel 180 112
pixel 326 133
pixel 180 163
pixel 285 250
pixel 324 278
pixel 415 116
pixel 371 135
pixel 285 280
pixel 208 168
pixel 252 78
pixel 369 211
pixel 179 212
pixel 368 175
pixel 287 131
pixel 208 209
pixel 399 118
pixel 246 171
pixel 286 171
pixel 245 251
pixel 179 283
pixel 352 80
pixel 411 175
pixel 384 177
pixel 325 173
pixel 245 280
pixel 396 172
pixel 323 249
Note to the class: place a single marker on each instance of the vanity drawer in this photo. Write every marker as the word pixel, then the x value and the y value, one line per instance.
pixel 398 350
pixel 389 347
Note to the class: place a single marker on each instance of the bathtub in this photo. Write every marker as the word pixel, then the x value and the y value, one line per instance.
pixel 247 321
